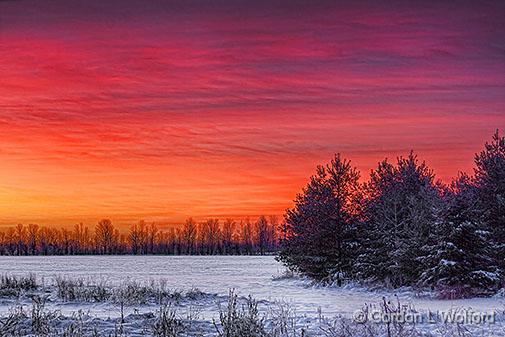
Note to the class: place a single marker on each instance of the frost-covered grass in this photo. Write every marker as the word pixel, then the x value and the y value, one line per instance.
pixel 129 292
pixel 152 309
pixel 13 286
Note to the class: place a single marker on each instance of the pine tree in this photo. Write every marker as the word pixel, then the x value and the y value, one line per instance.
pixel 320 239
pixel 460 260
pixel 401 208
pixel 490 185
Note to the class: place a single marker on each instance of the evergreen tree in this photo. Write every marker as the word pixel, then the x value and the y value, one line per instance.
pixel 490 185
pixel 320 229
pixel 460 260
pixel 401 207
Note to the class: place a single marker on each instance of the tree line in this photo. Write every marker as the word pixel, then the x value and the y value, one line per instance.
pixel 211 237
pixel 403 226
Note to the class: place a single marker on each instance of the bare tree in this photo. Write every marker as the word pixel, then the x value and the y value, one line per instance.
pixel 246 236
pixel 189 235
pixel 227 235
pixel 104 234
pixel 152 232
pixel 33 233
pixel 262 234
pixel 213 236
pixel 272 232
pixel 134 239
pixel 20 238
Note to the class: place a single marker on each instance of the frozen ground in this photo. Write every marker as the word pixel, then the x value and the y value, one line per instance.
pixel 214 276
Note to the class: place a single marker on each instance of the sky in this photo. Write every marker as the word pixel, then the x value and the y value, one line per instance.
pixel 161 110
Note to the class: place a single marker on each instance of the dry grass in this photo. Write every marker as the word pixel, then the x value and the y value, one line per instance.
pixel 238 317
pixel 14 286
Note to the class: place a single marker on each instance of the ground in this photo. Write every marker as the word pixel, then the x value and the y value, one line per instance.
pixel 190 296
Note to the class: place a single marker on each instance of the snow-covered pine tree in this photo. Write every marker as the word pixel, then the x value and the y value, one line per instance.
pixel 401 208
pixel 320 239
pixel 490 184
pixel 374 263
pixel 458 261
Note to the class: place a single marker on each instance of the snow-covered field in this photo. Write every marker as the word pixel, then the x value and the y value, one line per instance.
pixel 214 276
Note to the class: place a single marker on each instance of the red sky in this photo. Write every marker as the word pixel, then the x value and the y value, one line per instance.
pixel 159 111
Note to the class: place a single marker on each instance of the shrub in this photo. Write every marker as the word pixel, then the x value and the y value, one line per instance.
pixel 9 324
pixel 242 321
pixel 167 324
pixel 14 285
pixel 41 319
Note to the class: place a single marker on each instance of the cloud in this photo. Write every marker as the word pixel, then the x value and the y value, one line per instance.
pixel 137 109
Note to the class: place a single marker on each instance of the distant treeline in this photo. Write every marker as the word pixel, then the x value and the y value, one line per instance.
pixel 403 227
pixel 211 237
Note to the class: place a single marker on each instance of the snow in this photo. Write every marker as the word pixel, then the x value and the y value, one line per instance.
pixel 487 274
pixel 215 275
pixel 447 262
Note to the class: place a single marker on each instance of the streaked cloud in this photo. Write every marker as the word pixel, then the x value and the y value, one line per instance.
pixel 163 110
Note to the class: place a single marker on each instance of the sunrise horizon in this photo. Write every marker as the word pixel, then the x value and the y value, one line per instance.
pixel 164 221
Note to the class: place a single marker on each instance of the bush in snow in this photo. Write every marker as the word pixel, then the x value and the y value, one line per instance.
pixel 41 318
pixel 9 324
pixel 13 285
pixel 238 321
pixel 167 324
pixel 81 290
